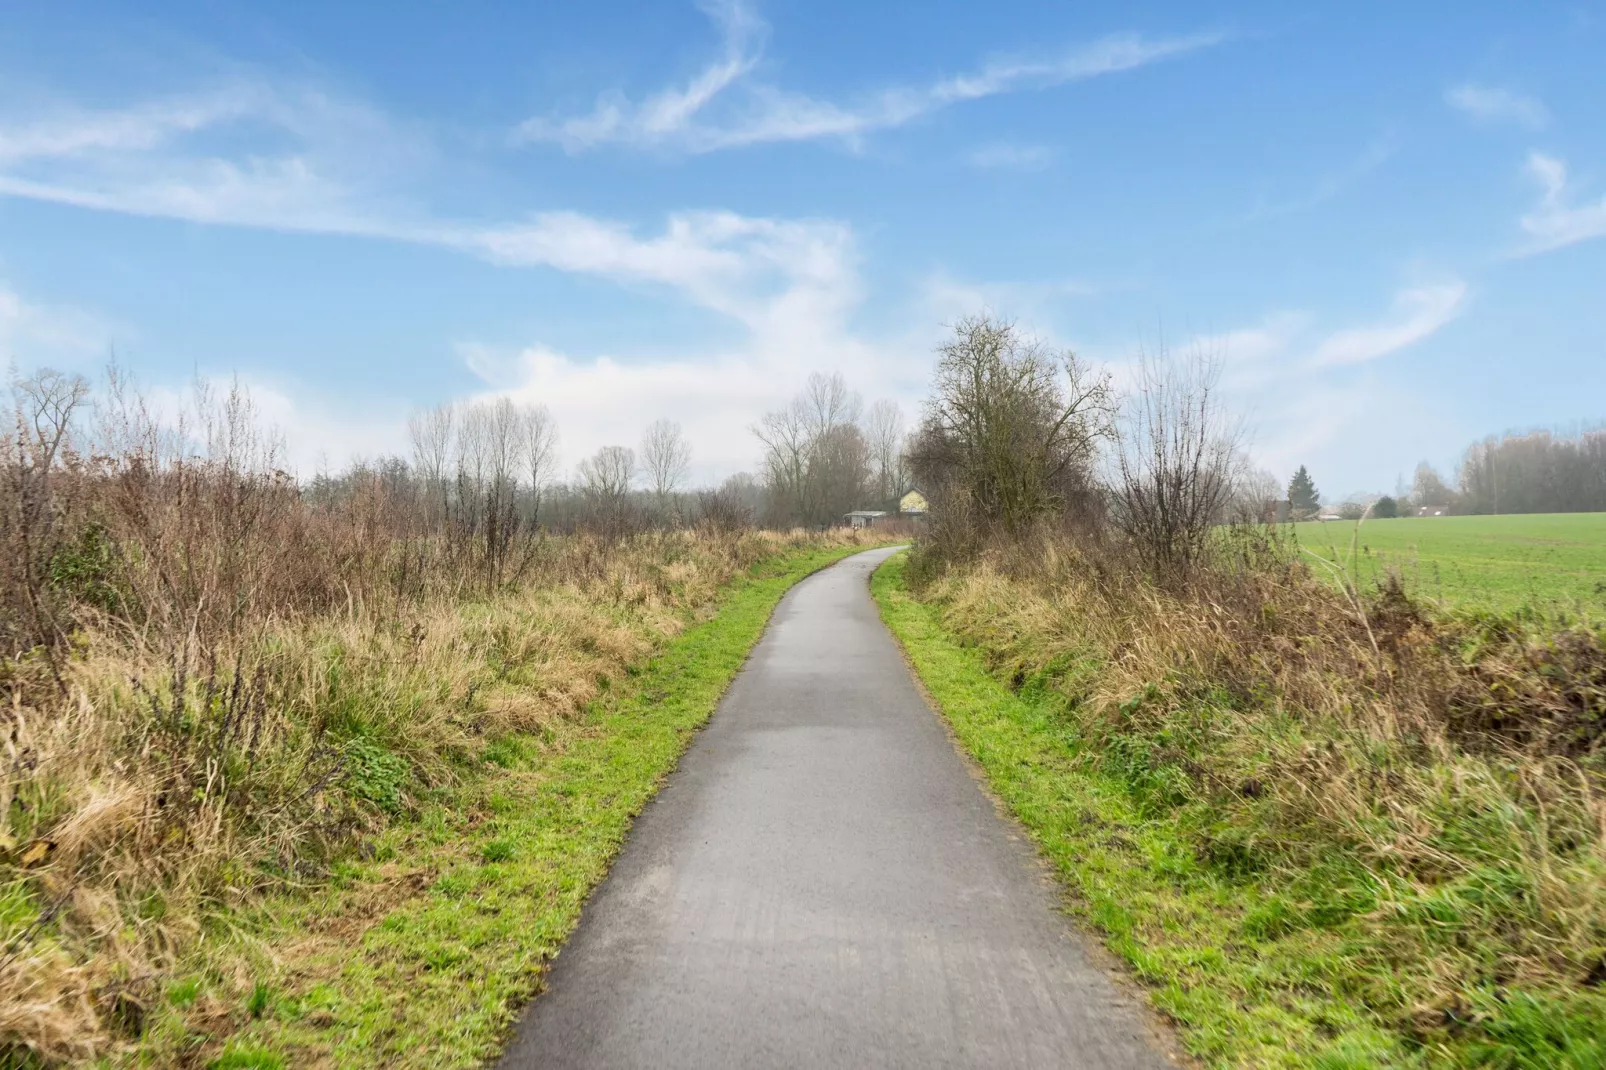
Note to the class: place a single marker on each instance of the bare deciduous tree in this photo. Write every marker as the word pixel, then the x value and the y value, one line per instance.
pixel 787 445
pixel 1429 488
pixel 44 406
pixel 666 456
pixel 492 451
pixel 607 474
pixel 473 456
pixel 45 403
pixel 503 439
pixel 1255 494
pixel 431 432
pixel 605 480
pixel 1011 429
pixel 885 430
pixel 538 447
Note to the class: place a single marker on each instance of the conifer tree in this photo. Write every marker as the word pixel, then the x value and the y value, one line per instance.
pixel 1303 498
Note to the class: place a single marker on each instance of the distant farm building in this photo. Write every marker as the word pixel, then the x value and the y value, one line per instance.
pixel 864 518
pixel 913 504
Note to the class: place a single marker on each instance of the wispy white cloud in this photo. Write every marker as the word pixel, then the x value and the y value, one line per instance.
pixel 752 269
pixel 1035 305
pixel 330 174
pixel 1418 313
pixel 1011 157
pixel 1556 221
pixel 1254 355
pixel 1328 186
pixel 1491 104
pixel 1351 433
pixel 607 400
pixel 791 284
pixel 34 333
pixel 1290 346
pixel 315 162
pixel 689 118
pixel 1310 390
pixel 668 111
pixel 78 133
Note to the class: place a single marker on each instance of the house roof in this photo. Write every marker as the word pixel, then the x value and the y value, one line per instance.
pixel 866 512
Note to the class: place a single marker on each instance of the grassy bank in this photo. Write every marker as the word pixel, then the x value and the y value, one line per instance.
pixel 423 955
pixel 351 837
pixel 1305 870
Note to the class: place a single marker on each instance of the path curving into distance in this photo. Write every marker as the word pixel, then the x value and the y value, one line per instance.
pixel 821 883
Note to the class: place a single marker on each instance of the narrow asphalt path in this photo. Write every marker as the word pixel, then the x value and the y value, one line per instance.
pixel 823 884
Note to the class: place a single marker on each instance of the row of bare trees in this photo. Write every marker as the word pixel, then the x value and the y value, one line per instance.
pixel 487 468
pixel 1526 472
pixel 472 461
pixel 1539 472
pixel 825 454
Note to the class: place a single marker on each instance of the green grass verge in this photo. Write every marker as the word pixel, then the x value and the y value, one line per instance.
pixel 1250 980
pixel 423 955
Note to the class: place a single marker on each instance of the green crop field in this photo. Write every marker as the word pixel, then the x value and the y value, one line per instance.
pixel 1554 561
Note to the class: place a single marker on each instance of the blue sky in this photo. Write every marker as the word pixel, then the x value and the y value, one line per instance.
pixel 1388 221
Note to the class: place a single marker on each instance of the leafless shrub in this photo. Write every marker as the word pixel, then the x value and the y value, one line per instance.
pixel 1251 707
pixel 723 510
pixel 1175 462
pixel 734 505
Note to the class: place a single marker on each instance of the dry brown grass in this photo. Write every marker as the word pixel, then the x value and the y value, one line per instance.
pixel 1432 788
pixel 214 686
pixel 137 809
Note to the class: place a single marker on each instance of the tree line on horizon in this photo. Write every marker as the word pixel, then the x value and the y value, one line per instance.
pixel 1518 472
pixel 495 464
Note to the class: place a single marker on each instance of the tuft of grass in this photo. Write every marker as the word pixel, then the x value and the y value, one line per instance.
pixel 497 851
pixel 247 1057
pixel 1304 872
pixel 261 995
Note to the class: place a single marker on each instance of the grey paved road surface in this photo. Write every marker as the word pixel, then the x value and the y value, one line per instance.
pixel 822 884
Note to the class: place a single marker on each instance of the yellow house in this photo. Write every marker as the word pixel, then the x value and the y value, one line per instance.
pixel 913 502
